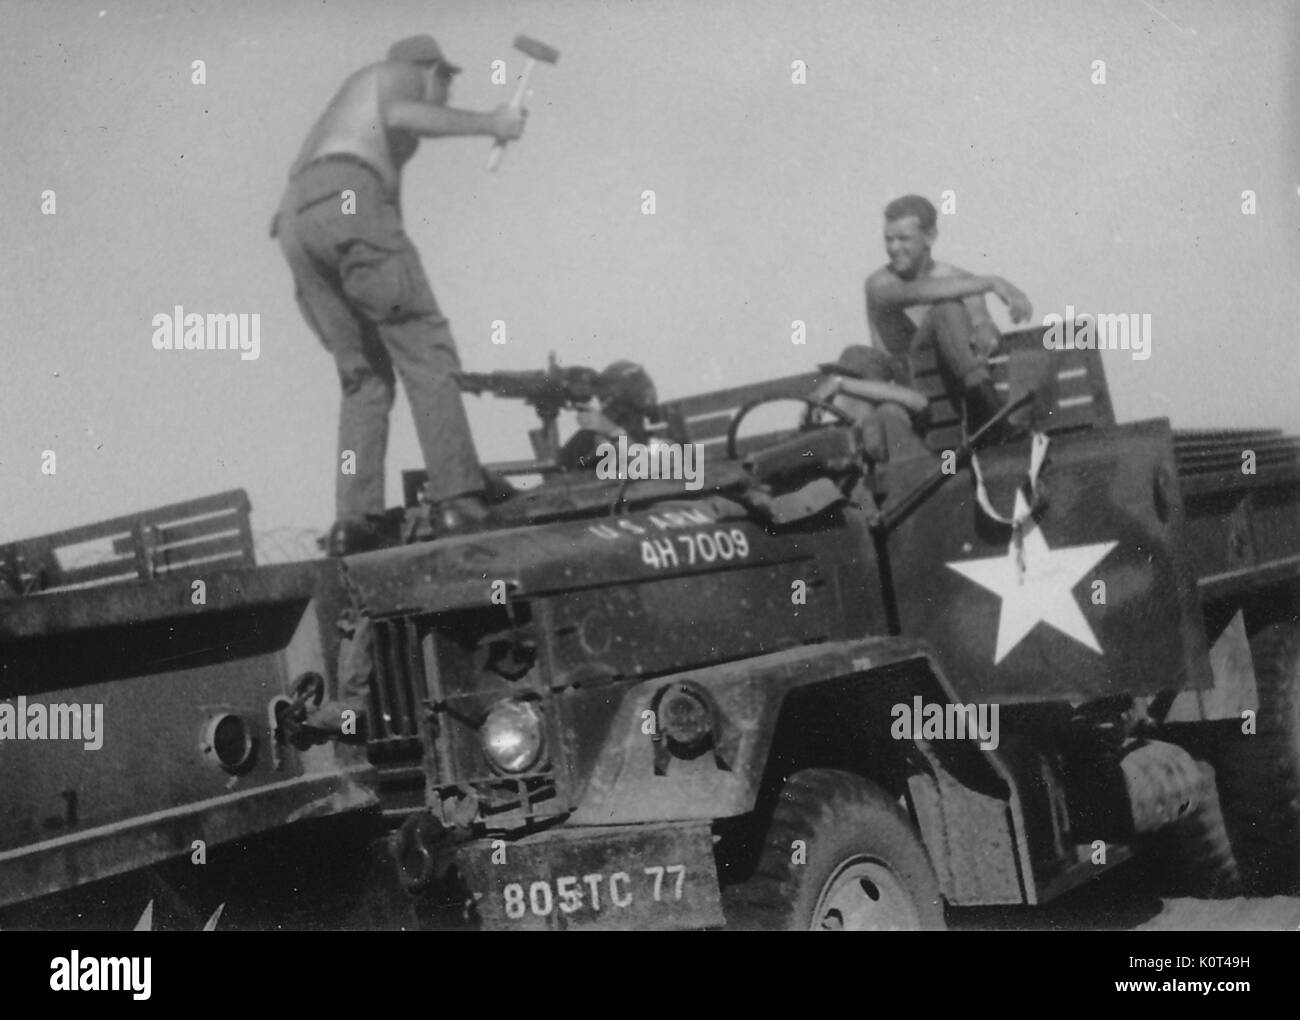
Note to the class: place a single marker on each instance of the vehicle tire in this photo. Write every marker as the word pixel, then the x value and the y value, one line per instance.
pixel 1259 774
pixel 862 866
pixel 1193 856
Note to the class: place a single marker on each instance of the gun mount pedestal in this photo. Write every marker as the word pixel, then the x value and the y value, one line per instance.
pixel 546 439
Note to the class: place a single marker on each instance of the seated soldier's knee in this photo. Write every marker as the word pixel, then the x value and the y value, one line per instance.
pixel 895 416
pixel 953 312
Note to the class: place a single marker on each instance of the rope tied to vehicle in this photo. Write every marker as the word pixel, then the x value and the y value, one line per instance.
pixel 1023 511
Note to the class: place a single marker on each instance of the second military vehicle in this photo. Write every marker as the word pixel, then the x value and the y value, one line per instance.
pixel 823 692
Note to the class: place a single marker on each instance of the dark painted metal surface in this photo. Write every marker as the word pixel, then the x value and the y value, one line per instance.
pixel 159 672
pixel 593 601
pixel 1242 493
pixel 635 877
pixel 593 606
pixel 1113 516
pixel 628 784
pixel 148 837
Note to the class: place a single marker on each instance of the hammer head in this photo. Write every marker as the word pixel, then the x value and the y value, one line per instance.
pixel 536 50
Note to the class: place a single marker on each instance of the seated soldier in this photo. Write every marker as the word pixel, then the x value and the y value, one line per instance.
pixel 863 383
pixel 627 399
pixel 915 303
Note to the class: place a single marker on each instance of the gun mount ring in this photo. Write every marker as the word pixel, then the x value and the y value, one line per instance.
pixel 813 405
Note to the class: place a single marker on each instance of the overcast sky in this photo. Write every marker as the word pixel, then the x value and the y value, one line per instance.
pixel 1122 197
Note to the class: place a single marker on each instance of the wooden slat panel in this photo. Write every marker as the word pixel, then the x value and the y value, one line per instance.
pixel 705 429
pixel 123 569
pixel 947 438
pixel 228 561
pixel 227 526
pixel 171 534
pixel 175 511
pixel 943 412
pixel 226 512
pixel 177 555
pixel 716 449
pixel 1260 451
pixel 111 572
pixel 711 403
pixel 1223 435
pixel 1074 386
pixel 1257 444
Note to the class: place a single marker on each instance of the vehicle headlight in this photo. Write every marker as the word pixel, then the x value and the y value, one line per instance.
pixel 685 717
pixel 512 735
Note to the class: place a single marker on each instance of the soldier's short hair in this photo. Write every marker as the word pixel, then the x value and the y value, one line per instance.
pixel 913 205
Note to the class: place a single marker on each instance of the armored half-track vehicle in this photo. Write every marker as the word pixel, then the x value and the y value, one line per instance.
pixel 827 692
pixel 818 689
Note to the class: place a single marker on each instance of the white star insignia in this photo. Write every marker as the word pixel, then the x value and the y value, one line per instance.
pixel 1043 591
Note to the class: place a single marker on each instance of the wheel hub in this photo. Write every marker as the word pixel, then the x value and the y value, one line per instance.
pixel 864 895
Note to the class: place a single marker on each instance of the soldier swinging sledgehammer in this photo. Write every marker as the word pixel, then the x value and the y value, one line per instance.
pixel 361 287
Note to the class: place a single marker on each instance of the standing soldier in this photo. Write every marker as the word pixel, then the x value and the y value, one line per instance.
pixel 361 287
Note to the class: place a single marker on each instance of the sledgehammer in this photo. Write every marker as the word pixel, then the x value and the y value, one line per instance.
pixel 535 51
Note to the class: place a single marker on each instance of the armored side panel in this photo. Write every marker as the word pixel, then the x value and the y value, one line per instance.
pixel 568 614
pixel 1242 490
pixel 1098 600
pixel 135 721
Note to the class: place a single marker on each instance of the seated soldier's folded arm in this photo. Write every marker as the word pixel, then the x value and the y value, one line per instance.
pixel 885 290
pixel 878 391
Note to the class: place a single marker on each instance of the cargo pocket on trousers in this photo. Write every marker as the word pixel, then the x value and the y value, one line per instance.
pixel 385 285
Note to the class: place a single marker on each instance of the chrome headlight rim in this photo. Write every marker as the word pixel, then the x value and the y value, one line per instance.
pixel 513 736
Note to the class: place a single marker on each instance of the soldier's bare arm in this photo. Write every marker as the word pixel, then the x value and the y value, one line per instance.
pixel 987 335
pixel 882 392
pixel 430 121
pixel 886 291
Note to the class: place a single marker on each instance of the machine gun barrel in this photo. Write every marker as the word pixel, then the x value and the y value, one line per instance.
pixel 548 390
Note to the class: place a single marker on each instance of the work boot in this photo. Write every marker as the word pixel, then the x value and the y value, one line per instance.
pixel 348 537
pixel 459 515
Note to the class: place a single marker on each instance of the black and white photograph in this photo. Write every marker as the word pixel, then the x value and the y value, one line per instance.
pixel 746 465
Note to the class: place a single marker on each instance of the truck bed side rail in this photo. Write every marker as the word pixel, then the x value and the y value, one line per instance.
pixel 1241 492
pixel 1072 384
pixel 1075 395
pixel 212 532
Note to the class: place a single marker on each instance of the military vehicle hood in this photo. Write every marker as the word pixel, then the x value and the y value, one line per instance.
pixel 465 571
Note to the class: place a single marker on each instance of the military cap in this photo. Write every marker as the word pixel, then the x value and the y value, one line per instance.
pixel 420 49
pixel 862 362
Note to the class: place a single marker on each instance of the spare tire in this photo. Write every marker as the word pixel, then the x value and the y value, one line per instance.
pixel 1259 773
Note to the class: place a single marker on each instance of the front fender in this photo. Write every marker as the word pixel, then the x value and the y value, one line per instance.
pixel 624 786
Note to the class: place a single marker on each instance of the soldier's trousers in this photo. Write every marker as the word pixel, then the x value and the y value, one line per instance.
pixel 947 327
pixel 360 286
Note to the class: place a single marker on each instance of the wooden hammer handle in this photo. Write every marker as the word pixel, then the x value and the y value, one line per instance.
pixel 499 147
